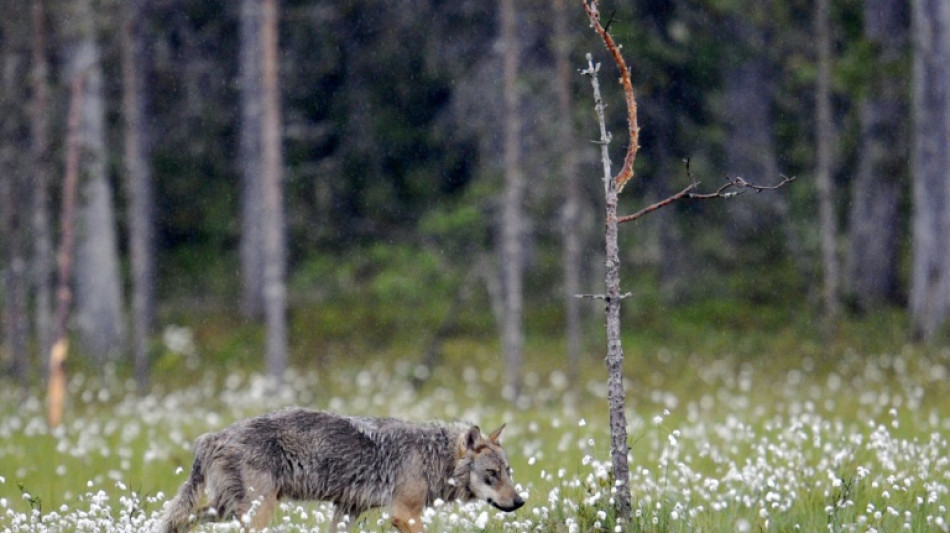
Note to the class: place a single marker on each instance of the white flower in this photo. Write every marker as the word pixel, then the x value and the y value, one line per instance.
pixel 482 520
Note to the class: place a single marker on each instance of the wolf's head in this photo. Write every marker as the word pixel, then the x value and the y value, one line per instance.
pixel 488 474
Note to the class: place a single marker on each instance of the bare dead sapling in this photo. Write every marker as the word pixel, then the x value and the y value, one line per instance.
pixel 613 185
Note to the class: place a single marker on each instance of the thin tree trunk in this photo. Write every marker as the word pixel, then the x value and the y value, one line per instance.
pixel 571 209
pixel 56 380
pixel 512 229
pixel 14 215
pixel 99 315
pixel 252 262
pixel 761 226
pixel 873 255
pixel 824 139
pixel 272 231
pixel 40 138
pixel 930 167
pixel 139 187
pixel 615 391
pixel 750 149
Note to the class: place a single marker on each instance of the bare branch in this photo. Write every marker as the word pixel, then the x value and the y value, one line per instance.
pixel 733 187
pixel 626 172
pixel 602 296
pixel 685 193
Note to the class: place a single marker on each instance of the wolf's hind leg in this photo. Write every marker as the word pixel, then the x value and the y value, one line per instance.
pixel 342 520
pixel 178 516
pixel 227 501
pixel 264 512
pixel 207 514
pixel 259 501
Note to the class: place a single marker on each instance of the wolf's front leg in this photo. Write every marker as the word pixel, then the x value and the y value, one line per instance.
pixel 408 518
pixel 409 524
pixel 406 505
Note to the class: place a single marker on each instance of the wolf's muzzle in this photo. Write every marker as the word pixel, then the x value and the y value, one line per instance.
pixel 515 504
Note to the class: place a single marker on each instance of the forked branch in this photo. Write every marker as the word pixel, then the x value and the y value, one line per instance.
pixel 733 187
pixel 626 172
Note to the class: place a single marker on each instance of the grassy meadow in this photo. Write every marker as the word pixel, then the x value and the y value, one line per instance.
pixel 730 430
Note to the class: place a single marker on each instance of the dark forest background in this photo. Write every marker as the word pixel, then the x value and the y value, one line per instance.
pixel 394 162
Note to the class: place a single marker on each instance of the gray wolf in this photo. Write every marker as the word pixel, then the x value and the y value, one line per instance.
pixel 356 463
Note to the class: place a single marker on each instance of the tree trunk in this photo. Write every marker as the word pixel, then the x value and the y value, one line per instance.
pixel 272 230
pixel 930 167
pixel 98 284
pixel 138 176
pixel 760 228
pixel 824 143
pixel 250 160
pixel 875 201
pixel 661 235
pixel 750 150
pixel 512 222
pixel 571 258
pixel 40 152
pixel 56 380
pixel 13 225
pixel 615 390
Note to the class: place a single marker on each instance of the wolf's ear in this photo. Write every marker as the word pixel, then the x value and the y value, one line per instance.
pixel 495 434
pixel 473 439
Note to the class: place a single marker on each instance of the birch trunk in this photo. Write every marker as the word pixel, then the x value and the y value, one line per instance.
pixel 872 267
pixel 252 264
pixel 99 316
pixel 762 227
pixel 12 212
pixel 512 228
pixel 750 150
pixel 930 167
pixel 138 176
pixel 824 142
pixel 40 137
pixel 571 209
pixel 272 220
pixel 56 379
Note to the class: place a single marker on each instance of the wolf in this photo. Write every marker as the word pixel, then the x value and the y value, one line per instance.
pixel 357 463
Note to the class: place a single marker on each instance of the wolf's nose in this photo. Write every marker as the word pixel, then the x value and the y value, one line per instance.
pixel 519 501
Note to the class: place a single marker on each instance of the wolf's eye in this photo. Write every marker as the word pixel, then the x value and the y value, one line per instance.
pixel 490 476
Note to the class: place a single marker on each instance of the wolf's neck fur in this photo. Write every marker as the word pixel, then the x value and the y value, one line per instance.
pixel 437 446
pixel 452 481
